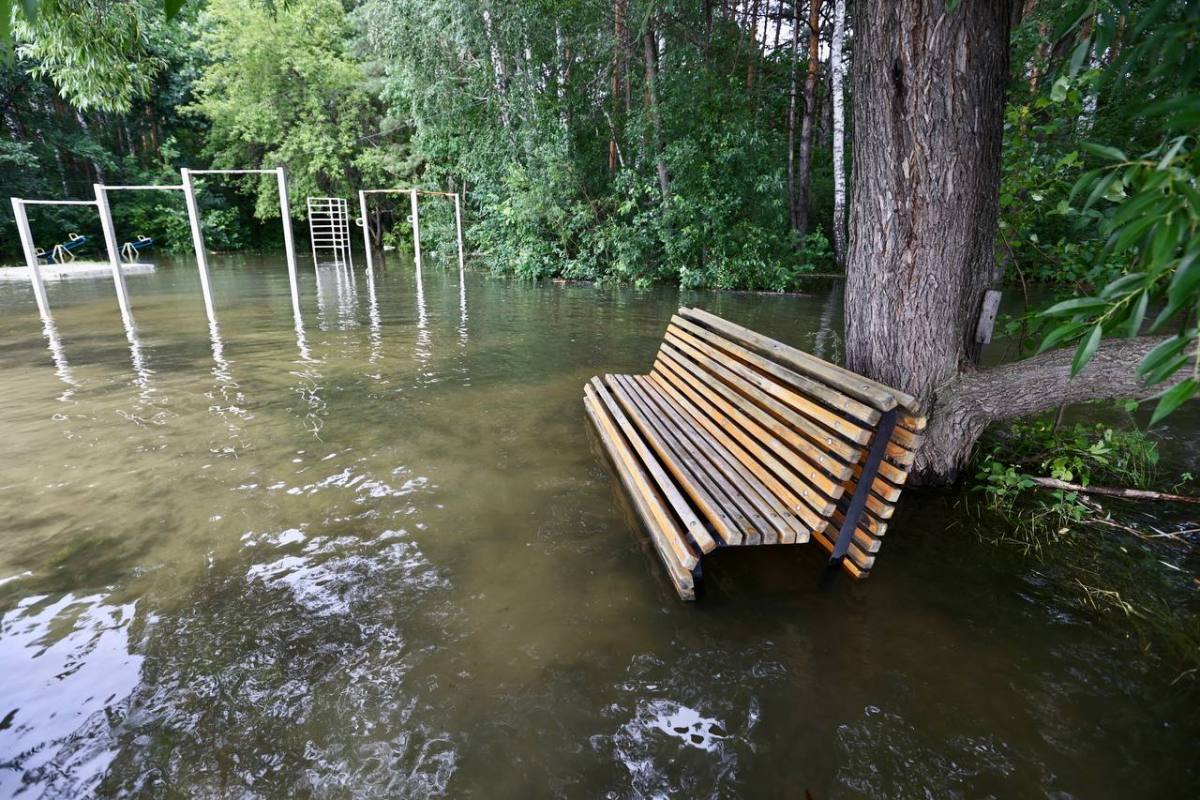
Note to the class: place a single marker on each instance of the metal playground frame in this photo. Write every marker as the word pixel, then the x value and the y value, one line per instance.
pixel 188 187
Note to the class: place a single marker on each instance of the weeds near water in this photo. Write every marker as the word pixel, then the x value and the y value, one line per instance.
pixel 1131 579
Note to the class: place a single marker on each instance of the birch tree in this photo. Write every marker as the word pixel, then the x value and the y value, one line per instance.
pixel 837 70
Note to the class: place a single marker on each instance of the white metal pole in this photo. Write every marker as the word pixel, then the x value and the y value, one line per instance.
pixel 416 223
pixel 31 261
pixel 458 227
pixel 193 209
pixel 114 254
pixel 362 209
pixel 289 244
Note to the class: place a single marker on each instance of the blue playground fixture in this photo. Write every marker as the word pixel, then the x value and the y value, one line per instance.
pixel 131 250
pixel 63 252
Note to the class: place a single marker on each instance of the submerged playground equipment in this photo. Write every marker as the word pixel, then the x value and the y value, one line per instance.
pixel 737 439
pixel 329 229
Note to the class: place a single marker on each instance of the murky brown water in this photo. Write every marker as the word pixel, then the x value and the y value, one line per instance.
pixel 385 560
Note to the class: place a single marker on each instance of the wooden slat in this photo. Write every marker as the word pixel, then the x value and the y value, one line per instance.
pixel 868 524
pixel 672 534
pixel 782 498
pixel 831 397
pixel 882 397
pixel 819 444
pixel 693 481
pixel 856 562
pixel 801 406
pixel 739 477
pixel 680 577
pixel 755 439
pixel 750 523
pixel 758 529
pixel 821 470
pixel 693 525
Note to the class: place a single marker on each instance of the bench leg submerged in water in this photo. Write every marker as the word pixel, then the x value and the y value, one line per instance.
pixel 736 439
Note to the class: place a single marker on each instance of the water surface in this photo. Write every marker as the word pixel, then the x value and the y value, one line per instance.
pixel 383 557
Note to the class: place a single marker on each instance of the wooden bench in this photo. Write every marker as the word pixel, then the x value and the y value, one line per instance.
pixel 737 439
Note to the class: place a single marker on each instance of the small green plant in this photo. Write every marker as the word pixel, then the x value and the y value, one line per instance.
pixel 1079 454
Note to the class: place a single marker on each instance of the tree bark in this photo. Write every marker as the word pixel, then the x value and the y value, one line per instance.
pixel 837 70
pixel 928 119
pixel 791 115
pixel 620 83
pixel 804 169
pixel 651 49
pixel 928 112
pixel 969 401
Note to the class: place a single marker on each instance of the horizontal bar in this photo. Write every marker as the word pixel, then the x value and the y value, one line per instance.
pixel 55 202
pixel 406 191
pixel 141 187
pixel 233 171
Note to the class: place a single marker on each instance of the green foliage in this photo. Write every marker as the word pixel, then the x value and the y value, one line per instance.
pixel 1145 206
pixel 279 88
pixel 98 53
pixel 510 105
pixel 1094 454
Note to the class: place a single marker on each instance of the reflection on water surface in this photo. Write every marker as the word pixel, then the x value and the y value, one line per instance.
pixel 378 556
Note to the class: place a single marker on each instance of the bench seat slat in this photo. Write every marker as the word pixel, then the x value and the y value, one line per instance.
pixel 799 432
pixel 644 501
pixel 883 397
pixel 784 524
pixel 692 524
pixel 799 515
pixel 802 412
pixel 726 505
pixel 695 482
pixel 841 403
pixel 811 490
pixel 820 469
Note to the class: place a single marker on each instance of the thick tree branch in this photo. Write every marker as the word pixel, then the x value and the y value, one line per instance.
pixel 965 405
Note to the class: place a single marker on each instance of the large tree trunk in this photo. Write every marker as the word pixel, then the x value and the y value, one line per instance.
pixel 836 72
pixel 928 112
pixel 804 169
pixel 928 104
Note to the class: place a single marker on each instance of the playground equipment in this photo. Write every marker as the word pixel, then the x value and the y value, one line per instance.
pixel 131 250
pixel 416 222
pixel 63 252
pixel 329 228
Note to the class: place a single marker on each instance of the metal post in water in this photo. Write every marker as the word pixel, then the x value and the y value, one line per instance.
pixel 362 209
pixel 31 261
pixel 289 244
pixel 458 227
pixel 416 231
pixel 114 254
pixel 193 209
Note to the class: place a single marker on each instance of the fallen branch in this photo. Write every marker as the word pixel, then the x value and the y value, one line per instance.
pixel 1108 491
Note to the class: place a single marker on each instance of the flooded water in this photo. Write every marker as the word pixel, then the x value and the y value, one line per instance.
pixel 383 557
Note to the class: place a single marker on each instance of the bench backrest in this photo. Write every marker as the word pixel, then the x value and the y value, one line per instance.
pixel 811 424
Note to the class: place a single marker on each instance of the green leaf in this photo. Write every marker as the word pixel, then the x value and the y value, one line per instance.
pixel 1060 334
pixel 1162 352
pixel 1100 189
pixel 1139 313
pixel 1104 151
pixel 1187 276
pixel 1122 285
pixel 1075 305
pixel 1087 349
pixel 1174 398
pixel 171 7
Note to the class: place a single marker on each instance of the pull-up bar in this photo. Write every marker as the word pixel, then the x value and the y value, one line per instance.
pixel 416 222
pixel 289 244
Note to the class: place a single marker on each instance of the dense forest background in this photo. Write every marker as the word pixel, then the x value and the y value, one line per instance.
pixel 692 143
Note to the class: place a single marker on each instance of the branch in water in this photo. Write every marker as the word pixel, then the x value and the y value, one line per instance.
pixel 1109 491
